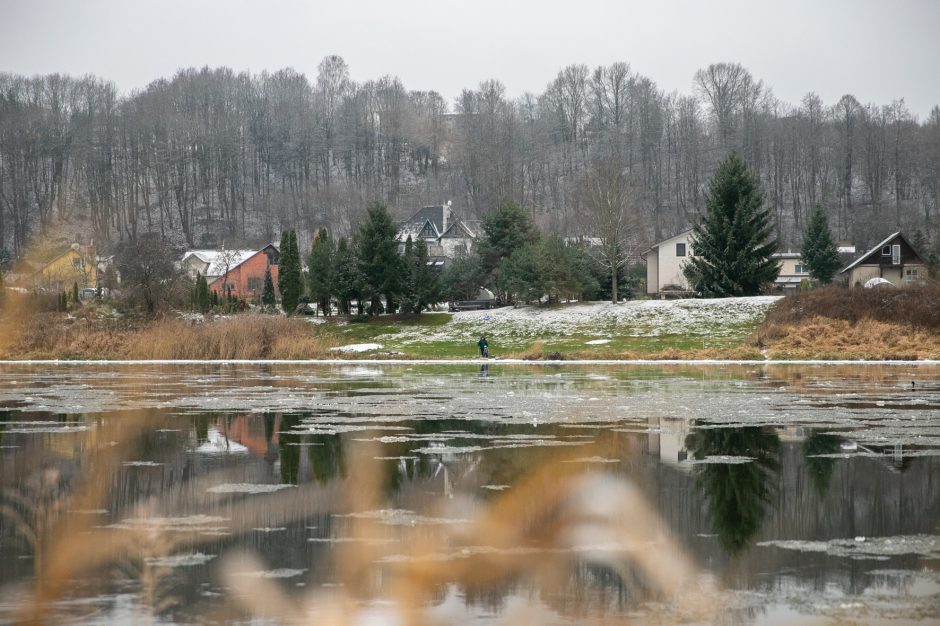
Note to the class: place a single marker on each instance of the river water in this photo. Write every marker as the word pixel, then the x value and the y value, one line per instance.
pixel 448 494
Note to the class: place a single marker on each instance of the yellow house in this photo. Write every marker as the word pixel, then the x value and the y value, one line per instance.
pixel 77 265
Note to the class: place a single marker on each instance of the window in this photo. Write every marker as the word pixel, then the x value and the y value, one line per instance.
pixel 273 257
pixel 896 254
pixel 255 283
pixel 799 269
pixel 886 251
pixel 910 275
pixel 680 249
pixel 78 263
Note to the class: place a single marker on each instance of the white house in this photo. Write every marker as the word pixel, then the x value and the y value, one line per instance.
pixel 665 260
pixel 792 271
pixel 447 235
pixel 664 263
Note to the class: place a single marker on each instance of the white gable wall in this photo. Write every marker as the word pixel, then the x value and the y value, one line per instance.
pixel 667 268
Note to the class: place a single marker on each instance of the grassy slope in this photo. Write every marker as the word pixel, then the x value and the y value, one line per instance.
pixel 655 334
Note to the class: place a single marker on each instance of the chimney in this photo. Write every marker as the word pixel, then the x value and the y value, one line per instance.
pixel 446 215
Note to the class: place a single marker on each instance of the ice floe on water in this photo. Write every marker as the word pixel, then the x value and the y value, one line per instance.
pixel 719 459
pixel 180 560
pixel 591 459
pixel 247 488
pixel 283 572
pixel 189 523
pixel 266 529
pixel 141 464
pixel 401 517
pixel 865 547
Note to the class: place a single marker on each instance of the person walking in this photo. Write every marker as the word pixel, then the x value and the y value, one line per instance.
pixel 484 347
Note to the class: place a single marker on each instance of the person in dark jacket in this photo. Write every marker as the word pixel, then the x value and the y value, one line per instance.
pixel 484 347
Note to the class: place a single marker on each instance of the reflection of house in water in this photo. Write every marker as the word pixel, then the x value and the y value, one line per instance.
pixel 667 440
pixel 258 433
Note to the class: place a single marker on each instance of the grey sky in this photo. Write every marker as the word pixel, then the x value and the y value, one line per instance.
pixel 876 50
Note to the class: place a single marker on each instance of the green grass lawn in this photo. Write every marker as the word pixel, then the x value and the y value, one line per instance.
pixel 447 339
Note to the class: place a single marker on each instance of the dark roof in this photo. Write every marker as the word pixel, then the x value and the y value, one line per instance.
pixel 878 248
pixel 433 214
pixel 457 229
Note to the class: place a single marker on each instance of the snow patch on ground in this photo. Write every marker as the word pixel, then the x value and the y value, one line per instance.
pixel 358 347
pixel 638 318
pixel 597 342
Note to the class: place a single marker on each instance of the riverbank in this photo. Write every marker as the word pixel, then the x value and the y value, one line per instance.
pixel 731 329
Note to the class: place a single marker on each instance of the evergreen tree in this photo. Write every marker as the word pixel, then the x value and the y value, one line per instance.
pixel 461 279
pixel 520 275
pixel 427 280
pixel 505 230
pixel 201 294
pixel 379 261
pixel 289 276
pixel 732 242
pixel 75 292
pixel 284 261
pixel 346 276
pixel 819 252
pixel 268 297
pixel 322 268
pixel 409 283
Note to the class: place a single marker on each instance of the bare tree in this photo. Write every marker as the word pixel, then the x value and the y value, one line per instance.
pixel 608 198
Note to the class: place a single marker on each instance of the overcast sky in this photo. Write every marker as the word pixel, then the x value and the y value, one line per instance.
pixel 874 49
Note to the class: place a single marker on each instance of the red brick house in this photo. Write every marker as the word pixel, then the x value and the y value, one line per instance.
pixel 245 278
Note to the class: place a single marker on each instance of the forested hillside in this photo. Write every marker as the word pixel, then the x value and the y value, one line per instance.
pixel 211 155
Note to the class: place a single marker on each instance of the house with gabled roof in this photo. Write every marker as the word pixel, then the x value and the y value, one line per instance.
pixel 894 259
pixel 446 234
pixel 75 265
pixel 236 272
pixel 664 263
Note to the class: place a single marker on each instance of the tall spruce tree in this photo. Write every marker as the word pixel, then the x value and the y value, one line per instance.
pixel 427 280
pixel 819 253
pixel 733 241
pixel 289 277
pixel 409 281
pixel 321 265
pixel 268 297
pixel 346 276
pixel 284 254
pixel 201 296
pixel 379 261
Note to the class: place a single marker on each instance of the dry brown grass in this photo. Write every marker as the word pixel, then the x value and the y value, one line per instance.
pixel 240 337
pixel 913 306
pixel 834 323
pixel 26 335
pixel 826 338
pixel 535 352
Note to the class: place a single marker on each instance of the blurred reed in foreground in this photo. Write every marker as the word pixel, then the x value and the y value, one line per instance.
pixel 535 533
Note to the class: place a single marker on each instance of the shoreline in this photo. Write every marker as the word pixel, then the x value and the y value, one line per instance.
pixel 492 361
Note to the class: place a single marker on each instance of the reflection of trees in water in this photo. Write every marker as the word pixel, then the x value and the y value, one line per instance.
pixel 327 459
pixel 737 493
pixel 820 468
pixel 289 449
